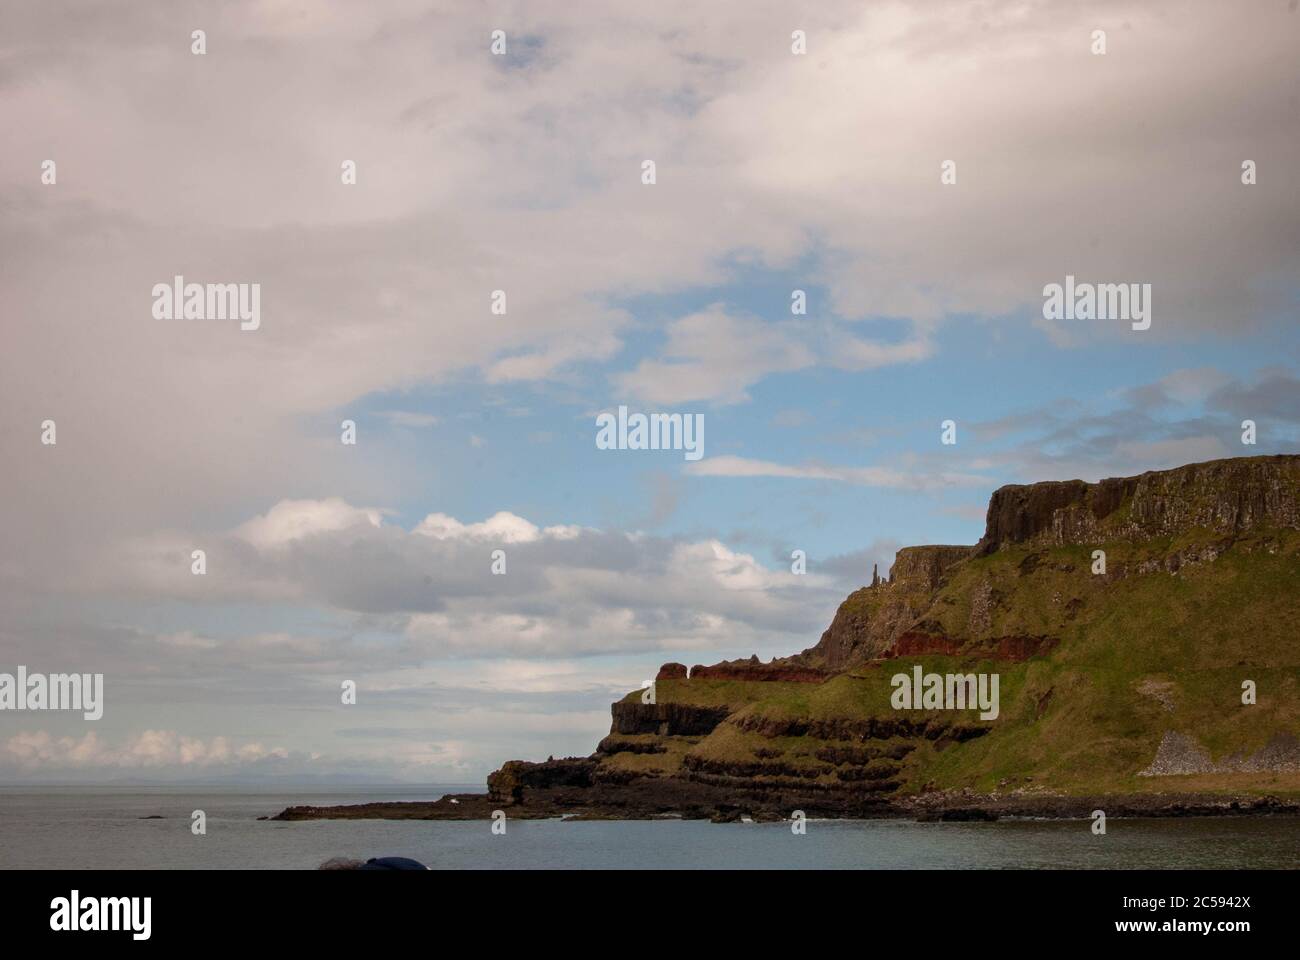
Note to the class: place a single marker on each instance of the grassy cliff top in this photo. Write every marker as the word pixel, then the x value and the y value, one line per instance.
pixel 1161 643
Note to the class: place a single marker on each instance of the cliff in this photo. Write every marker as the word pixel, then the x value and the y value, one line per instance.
pixel 1203 503
pixel 1222 496
pixel 1115 680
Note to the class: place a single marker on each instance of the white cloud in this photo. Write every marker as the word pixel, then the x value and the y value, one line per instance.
pixel 855 353
pixel 765 160
pixel 568 588
pixel 291 520
pixel 150 748
pixel 715 355
pixel 733 466
pixel 502 527
pixel 410 418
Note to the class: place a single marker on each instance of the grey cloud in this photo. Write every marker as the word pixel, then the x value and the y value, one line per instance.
pixel 565 591
pixel 1275 396
pixel 1157 425
pixel 853 569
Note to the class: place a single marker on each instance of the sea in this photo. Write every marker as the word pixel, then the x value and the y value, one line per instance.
pixel 98 827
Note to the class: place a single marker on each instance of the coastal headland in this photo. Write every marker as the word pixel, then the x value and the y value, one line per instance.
pixel 1144 633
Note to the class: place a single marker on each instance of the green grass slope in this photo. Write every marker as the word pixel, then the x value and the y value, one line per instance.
pixel 1161 643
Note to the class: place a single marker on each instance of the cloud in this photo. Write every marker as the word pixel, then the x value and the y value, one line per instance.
pixel 385 285
pixel 714 355
pixel 169 755
pixel 1274 396
pixel 855 353
pixel 1160 454
pixel 1178 388
pixel 733 466
pixel 1029 203
pixel 409 418
pixel 567 589
pixel 291 520
pixel 854 569
pixel 1183 417
pixel 502 527
pixel 148 749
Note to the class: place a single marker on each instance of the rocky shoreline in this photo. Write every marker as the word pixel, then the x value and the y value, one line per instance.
pixel 622 804
pixel 581 788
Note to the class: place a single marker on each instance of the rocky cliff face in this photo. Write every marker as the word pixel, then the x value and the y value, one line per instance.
pixel 750 670
pixel 923 567
pixel 1224 497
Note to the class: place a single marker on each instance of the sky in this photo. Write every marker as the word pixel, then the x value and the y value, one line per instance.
pixel 475 430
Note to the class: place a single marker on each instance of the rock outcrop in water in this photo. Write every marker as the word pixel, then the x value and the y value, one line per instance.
pixel 1126 620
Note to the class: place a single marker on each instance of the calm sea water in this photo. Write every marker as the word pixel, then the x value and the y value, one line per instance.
pixel 99 827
